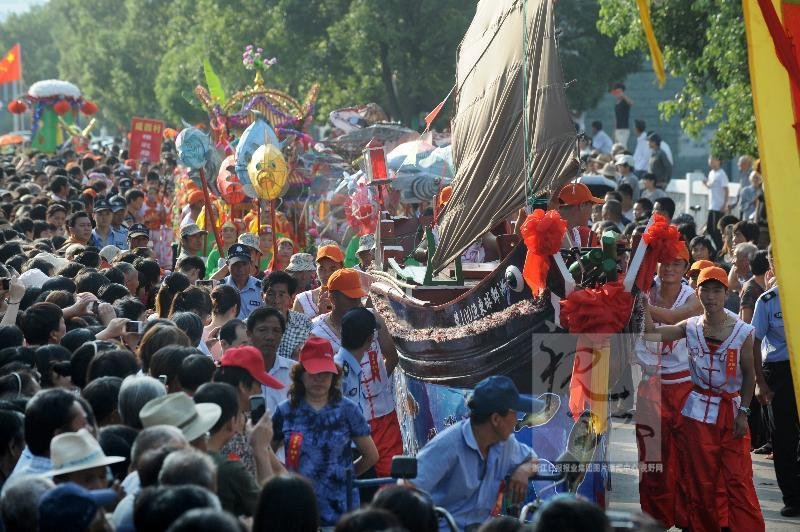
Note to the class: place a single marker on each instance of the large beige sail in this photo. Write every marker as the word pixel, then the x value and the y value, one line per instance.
pixel 488 132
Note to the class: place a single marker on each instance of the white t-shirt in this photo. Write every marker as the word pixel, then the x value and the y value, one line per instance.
pixel 717 183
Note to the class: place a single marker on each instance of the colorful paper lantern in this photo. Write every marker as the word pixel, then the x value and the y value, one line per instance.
pixel 17 107
pixel 62 107
pixel 228 182
pixel 89 108
pixel 268 172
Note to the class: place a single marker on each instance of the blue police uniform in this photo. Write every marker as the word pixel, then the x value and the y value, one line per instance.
pixel 768 323
pixel 250 295
pixel 114 238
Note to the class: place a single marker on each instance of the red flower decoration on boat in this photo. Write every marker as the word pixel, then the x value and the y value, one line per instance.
pixel 542 233
pixel 662 241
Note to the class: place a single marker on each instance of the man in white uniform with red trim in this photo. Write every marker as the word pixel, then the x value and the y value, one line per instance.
pixel 377 364
pixel 665 384
pixel 713 438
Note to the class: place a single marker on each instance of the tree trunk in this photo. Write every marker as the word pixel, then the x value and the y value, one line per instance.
pixel 395 108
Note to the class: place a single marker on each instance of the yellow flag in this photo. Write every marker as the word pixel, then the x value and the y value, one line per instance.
pixel 655 52
pixel 780 166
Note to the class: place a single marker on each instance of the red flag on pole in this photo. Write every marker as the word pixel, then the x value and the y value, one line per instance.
pixel 11 66
pixel 430 117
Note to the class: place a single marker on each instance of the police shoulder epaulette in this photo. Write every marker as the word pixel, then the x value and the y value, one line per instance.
pixel 769 294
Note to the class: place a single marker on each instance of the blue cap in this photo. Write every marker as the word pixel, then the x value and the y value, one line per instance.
pixel 499 394
pixel 69 507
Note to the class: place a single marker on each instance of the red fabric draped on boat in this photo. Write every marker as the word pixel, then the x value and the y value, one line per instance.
pixel 594 314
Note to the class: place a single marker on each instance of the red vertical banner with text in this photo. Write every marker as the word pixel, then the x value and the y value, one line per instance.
pixel 145 142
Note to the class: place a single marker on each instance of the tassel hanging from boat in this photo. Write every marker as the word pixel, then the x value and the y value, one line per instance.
pixel 594 314
pixel 543 233
pixel 663 243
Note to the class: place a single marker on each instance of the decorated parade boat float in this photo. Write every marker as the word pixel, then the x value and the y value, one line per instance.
pixel 560 322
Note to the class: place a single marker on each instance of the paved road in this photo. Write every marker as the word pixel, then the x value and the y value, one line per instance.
pixel 625 486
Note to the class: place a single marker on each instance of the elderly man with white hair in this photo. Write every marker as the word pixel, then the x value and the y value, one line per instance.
pixel 740 273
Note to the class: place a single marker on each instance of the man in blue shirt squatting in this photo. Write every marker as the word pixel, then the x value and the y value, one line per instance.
pixel 463 466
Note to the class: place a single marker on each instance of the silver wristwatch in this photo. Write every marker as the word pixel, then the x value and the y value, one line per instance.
pixel 744 410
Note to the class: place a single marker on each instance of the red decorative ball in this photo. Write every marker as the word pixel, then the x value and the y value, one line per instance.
pixel 17 107
pixel 62 107
pixel 89 108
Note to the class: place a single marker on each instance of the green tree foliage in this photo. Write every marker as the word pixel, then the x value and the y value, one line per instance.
pixel 587 56
pixel 145 57
pixel 703 42
pixel 40 56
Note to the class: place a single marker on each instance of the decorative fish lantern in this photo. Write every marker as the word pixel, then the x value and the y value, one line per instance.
pixel 228 183
pixel 193 146
pixel 257 134
pixel 268 172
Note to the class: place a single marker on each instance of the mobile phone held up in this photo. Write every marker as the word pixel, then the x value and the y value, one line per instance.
pixel 133 327
pixel 257 407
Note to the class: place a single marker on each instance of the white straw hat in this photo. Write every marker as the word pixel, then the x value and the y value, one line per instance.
pixel 178 410
pixel 77 451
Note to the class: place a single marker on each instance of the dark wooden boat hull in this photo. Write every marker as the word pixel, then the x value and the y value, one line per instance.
pixel 470 337
pixel 492 329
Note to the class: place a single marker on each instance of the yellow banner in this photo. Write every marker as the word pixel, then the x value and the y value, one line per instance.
pixel 780 166
pixel 655 52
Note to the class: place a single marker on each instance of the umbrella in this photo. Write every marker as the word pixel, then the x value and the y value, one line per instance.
pixel 11 139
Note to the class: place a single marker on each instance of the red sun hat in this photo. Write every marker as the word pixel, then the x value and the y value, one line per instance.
pixel 316 356
pixel 249 358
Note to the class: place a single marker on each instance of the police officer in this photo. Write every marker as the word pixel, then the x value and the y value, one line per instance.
pixel 775 388
pixel 249 287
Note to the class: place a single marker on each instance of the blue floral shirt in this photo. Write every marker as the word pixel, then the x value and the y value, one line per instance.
pixel 317 445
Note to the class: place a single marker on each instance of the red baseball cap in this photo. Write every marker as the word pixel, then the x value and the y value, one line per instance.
pixel 316 356
pixel 249 358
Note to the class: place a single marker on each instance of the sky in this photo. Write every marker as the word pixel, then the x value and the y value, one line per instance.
pixel 16 6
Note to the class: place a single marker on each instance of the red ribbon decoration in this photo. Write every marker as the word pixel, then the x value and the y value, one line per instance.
pixel 293 451
pixel 662 241
pixel 594 314
pixel 543 232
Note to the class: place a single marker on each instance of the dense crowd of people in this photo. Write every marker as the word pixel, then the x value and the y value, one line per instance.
pixel 153 377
